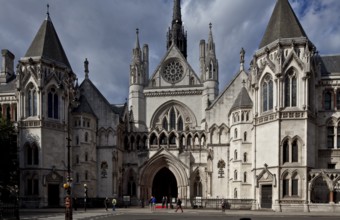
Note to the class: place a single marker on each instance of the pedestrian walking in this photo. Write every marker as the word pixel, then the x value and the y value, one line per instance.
pixel 106 203
pixel 167 202
pixel 224 205
pixel 114 202
pixel 163 202
pixel 179 204
pixel 75 203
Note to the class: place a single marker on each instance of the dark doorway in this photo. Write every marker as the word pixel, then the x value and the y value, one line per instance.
pixel 164 184
pixel 266 196
pixel 53 195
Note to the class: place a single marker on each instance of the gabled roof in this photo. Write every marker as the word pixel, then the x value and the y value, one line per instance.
pixel 330 64
pixel 242 101
pixel 46 44
pixel 282 24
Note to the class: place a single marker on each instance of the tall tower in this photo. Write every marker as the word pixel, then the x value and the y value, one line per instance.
pixel 45 84
pixel 138 79
pixel 209 70
pixel 176 34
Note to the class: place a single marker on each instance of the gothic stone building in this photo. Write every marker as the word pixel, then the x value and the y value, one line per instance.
pixel 269 139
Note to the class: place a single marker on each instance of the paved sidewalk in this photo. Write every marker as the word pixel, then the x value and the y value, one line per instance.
pixel 58 214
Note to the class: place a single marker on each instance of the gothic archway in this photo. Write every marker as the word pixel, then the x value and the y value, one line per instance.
pixel 164 184
pixel 163 163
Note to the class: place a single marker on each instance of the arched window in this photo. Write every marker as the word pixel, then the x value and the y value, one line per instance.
pixel 126 143
pixel 32 186
pixel 245 157
pixel 153 139
pixel 86 156
pixel 53 104
pixel 267 93
pixel 32 154
pixel 132 142
pixel 245 136
pixel 330 136
pixel 172 139
pixel 235 193
pixel 131 187
pixel 180 124
pixel 32 101
pixel 197 186
pixel 235 155
pixel 163 139
pixel 77 177
pixel 189 141
pixel 77 159
pixel 235 175
pixel 165 124
pixel 86 137
pixel 86 175
pixel 77 140
pixel 235 133
pixel 338 100
pixel 285 187
pixel 245 177
pixel 285 152
pixel 290 90
pixel 328 100
pixel 295 185
pixel 172 119
pixel 211 68
pixel 295 151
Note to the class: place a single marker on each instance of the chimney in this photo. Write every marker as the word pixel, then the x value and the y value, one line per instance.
pixel 7 67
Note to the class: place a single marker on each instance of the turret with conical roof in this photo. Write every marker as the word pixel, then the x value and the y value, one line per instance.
pixel 282 24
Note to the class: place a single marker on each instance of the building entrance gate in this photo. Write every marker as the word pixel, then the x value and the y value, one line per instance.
pixel 164 184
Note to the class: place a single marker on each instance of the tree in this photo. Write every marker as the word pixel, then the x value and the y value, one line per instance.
pixel 9 166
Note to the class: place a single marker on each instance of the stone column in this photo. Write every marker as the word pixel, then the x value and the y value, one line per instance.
pixel 331 197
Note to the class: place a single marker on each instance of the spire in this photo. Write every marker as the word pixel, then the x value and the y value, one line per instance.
pixel 48 12
pixel 242 53
pixel 46 44
pixel 137 53
pixel 177 17
pixel 86 68
pixel 282 24
pixel 176 34
pixel 211 45
pixel 137 39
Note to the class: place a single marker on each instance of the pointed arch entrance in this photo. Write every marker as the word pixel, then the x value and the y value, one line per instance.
pixel 164 184
pixel 162 173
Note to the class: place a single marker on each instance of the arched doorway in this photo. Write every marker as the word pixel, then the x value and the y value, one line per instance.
pixel 164 184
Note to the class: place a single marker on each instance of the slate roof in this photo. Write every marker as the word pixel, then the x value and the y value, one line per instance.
pixel 330 64
pixel 9 87
pixel 46 44
pixel 242 101
pixel 282 24
pixel 84 106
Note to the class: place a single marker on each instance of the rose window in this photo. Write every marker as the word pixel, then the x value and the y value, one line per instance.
pixel 173 71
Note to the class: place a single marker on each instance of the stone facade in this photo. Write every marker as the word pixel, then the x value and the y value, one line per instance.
pixel 270 139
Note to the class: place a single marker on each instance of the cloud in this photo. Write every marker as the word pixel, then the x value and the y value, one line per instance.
pixel 105 32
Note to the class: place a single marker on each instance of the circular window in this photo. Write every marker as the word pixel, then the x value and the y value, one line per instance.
pixel 173 71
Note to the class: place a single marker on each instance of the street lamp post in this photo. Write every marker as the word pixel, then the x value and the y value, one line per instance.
pixel 67 185
pixel 85 195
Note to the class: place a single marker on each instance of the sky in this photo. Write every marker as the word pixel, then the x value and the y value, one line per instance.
pixel 104 32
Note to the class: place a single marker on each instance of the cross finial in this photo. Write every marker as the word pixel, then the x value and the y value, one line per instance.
pixel 137 31
pixel 210 25
pixel 48 10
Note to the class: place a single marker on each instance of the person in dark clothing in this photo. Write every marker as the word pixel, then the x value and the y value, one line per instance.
pixel 179 204
pixel 163 202
pixel 75 203
pixel 106 203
